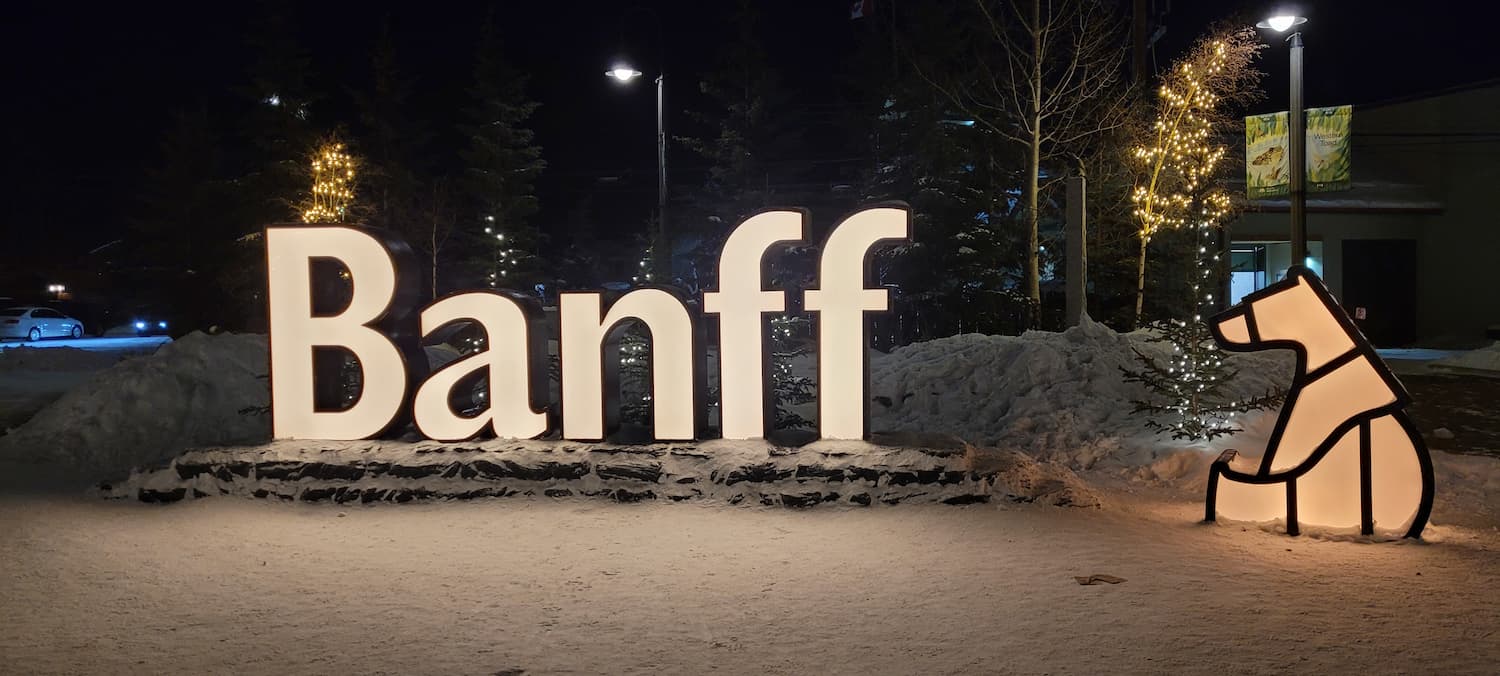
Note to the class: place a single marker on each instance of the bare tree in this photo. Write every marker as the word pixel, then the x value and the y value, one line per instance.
pixel 1045 74
pixel 436 222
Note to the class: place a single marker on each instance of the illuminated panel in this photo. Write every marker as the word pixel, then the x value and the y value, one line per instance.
pixel 1343 454
pixel 513 337
pixel 740 302
pixel 295 332
pixel 841 302
pixel 585 378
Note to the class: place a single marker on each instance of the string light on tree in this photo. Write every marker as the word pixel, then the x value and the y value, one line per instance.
pixel 332 185
pixel 1179 159
pixel 1181 187
pixel 642 273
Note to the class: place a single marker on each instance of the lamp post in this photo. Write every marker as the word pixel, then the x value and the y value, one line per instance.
pixel 1297 133
pixel 661 251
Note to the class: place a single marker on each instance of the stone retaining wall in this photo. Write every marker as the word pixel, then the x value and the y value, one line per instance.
pixel 736 472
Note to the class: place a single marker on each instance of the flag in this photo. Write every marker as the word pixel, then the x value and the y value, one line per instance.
pixel 861 9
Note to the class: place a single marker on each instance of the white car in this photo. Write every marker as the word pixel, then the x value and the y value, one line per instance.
pixel 36 323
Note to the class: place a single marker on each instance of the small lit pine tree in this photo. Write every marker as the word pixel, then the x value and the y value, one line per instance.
pixel 643 272
pixel 635 377
pixel 1187 397
pixel 790 388
pixel 635 358
pixel 501 163
pixel 507 262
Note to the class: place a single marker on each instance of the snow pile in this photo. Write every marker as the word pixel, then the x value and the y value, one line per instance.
pixel 53 359
pixel 1482 362
pixel 146 410
pixel 1059 396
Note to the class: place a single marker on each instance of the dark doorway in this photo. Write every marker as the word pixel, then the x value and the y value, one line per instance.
pixel 1380 289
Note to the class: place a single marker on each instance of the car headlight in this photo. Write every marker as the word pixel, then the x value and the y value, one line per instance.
pixel 140 326
pixel 161 325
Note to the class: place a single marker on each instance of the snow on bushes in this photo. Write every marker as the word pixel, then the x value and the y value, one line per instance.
pixel 147 410
pixel 1059 396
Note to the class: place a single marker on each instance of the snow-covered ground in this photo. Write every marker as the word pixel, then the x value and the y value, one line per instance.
pixel 586 586
pixel 544 587
pixel 1481 362
pixel 124 344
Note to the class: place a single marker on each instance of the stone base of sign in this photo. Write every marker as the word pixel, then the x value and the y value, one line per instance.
pixel 888 470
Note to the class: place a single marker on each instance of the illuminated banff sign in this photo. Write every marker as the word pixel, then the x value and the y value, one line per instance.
pixel 382 327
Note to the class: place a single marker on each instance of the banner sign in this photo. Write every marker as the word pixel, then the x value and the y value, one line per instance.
pixel 1266 152
pixel 380 325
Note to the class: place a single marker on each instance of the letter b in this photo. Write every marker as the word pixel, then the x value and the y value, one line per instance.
pixel 379 295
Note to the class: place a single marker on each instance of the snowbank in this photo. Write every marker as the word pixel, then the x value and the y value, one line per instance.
pixel 1058 396
pixel 146 410
pixel 1481 362
pixel 52 359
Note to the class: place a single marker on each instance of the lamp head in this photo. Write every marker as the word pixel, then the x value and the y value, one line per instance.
pixel 623 73
pixel 1281 22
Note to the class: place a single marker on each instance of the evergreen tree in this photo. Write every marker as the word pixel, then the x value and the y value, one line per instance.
pixel 501 164
pixel 391 146
pixel 962 271
pixel 278 100
pixel 749 136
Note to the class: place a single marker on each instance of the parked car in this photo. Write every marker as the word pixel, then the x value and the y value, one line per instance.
pixel 36 323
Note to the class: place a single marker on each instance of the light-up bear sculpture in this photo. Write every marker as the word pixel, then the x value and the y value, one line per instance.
pixel 1343 453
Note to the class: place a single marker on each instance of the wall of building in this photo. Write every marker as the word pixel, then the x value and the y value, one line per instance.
pixel 1426 170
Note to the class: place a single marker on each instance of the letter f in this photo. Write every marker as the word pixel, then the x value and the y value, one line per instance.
pixel 841 301
pixel 739 302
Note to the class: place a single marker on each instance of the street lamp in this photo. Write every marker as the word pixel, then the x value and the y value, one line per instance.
pixel 1297 141
pixel 623 73
pixel 661 252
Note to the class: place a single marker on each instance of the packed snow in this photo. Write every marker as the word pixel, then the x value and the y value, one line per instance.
pixel 552 587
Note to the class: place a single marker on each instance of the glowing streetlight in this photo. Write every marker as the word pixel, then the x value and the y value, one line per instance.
pixel 623 73
pixel 1296 131
pixel 1281 22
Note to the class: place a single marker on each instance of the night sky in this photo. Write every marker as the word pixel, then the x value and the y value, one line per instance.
pixel 90 89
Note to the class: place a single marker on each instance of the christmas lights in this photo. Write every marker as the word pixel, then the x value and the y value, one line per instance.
pixel 332 186
pixel 1180 188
